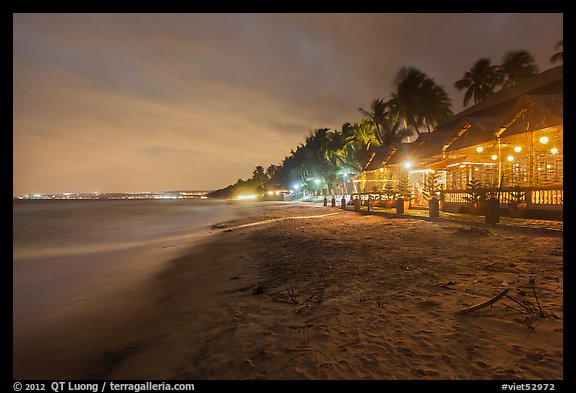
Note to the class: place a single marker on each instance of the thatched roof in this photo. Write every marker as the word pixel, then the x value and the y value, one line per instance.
pixel 378 157
pixel 482 129
pixel 508 108
pixel 554 103
pixel 535 112
pixel 546 82
pixel 431 144
pixel 402 153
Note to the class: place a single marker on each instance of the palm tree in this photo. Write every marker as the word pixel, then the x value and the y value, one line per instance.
pixel 394 132
pixel 558 56
pixel 355 144
pixel 435 104
pixel 377 114
pixel 418 101
pixel 259 178
pixel 479 82
pixel 347 129
pixel 362 136
pixel 271 171
pixel 516 65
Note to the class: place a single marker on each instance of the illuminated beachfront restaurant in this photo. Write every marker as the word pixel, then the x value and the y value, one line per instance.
pixel 512 143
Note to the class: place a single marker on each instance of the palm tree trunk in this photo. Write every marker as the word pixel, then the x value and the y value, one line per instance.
pixel 379 133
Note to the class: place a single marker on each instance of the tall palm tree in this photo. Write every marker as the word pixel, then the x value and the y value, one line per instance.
pixel 363 135
pixel 347 129
pixel 394 132
pixel 479 82
pixel 516 66
pixel 558 57
pixel 271 171
pixel 435 104
pixel 355 145
pixel 418 101
pixel 377 115
pixel 259 178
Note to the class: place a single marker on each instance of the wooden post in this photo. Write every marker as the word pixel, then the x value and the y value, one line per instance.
pixel 400 206
pixel 357 204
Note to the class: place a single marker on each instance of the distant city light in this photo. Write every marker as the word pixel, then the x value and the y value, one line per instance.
pixel 544 140
pixel 517 149
pixel 479 149
pixel 119 195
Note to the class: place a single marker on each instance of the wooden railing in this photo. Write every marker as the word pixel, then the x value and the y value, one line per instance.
pixel 547 197
pixel 456 196
pixel 534 196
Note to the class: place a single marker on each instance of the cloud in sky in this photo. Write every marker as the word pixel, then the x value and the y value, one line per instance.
pixel 136 102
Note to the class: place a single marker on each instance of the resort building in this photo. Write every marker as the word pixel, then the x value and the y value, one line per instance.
pixel 512 143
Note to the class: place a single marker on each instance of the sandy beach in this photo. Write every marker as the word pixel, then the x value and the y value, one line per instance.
pixel 309 292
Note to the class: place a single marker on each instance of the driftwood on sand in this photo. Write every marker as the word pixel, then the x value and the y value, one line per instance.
pixel 484 304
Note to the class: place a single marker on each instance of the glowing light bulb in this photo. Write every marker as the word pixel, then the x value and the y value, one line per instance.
pixel 517 149
pixel 554 150
pixel 544 140
pixel 479 149
pixel 510 158
pixel 494 157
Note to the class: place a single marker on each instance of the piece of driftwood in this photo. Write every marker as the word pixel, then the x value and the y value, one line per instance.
pixel 446 285
pixel 530 310
pixel 536 296
pixel 399 292
pixel 474 230
pixel 291 293
pixel 484 304
pixel 315 294
pixel 514 308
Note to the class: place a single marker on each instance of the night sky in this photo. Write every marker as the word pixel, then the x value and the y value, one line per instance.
pixel 151 102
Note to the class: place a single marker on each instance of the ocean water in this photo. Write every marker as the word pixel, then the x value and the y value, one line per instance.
pixel 68 255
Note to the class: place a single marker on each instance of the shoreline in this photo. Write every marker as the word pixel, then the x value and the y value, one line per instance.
pixel 342 296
